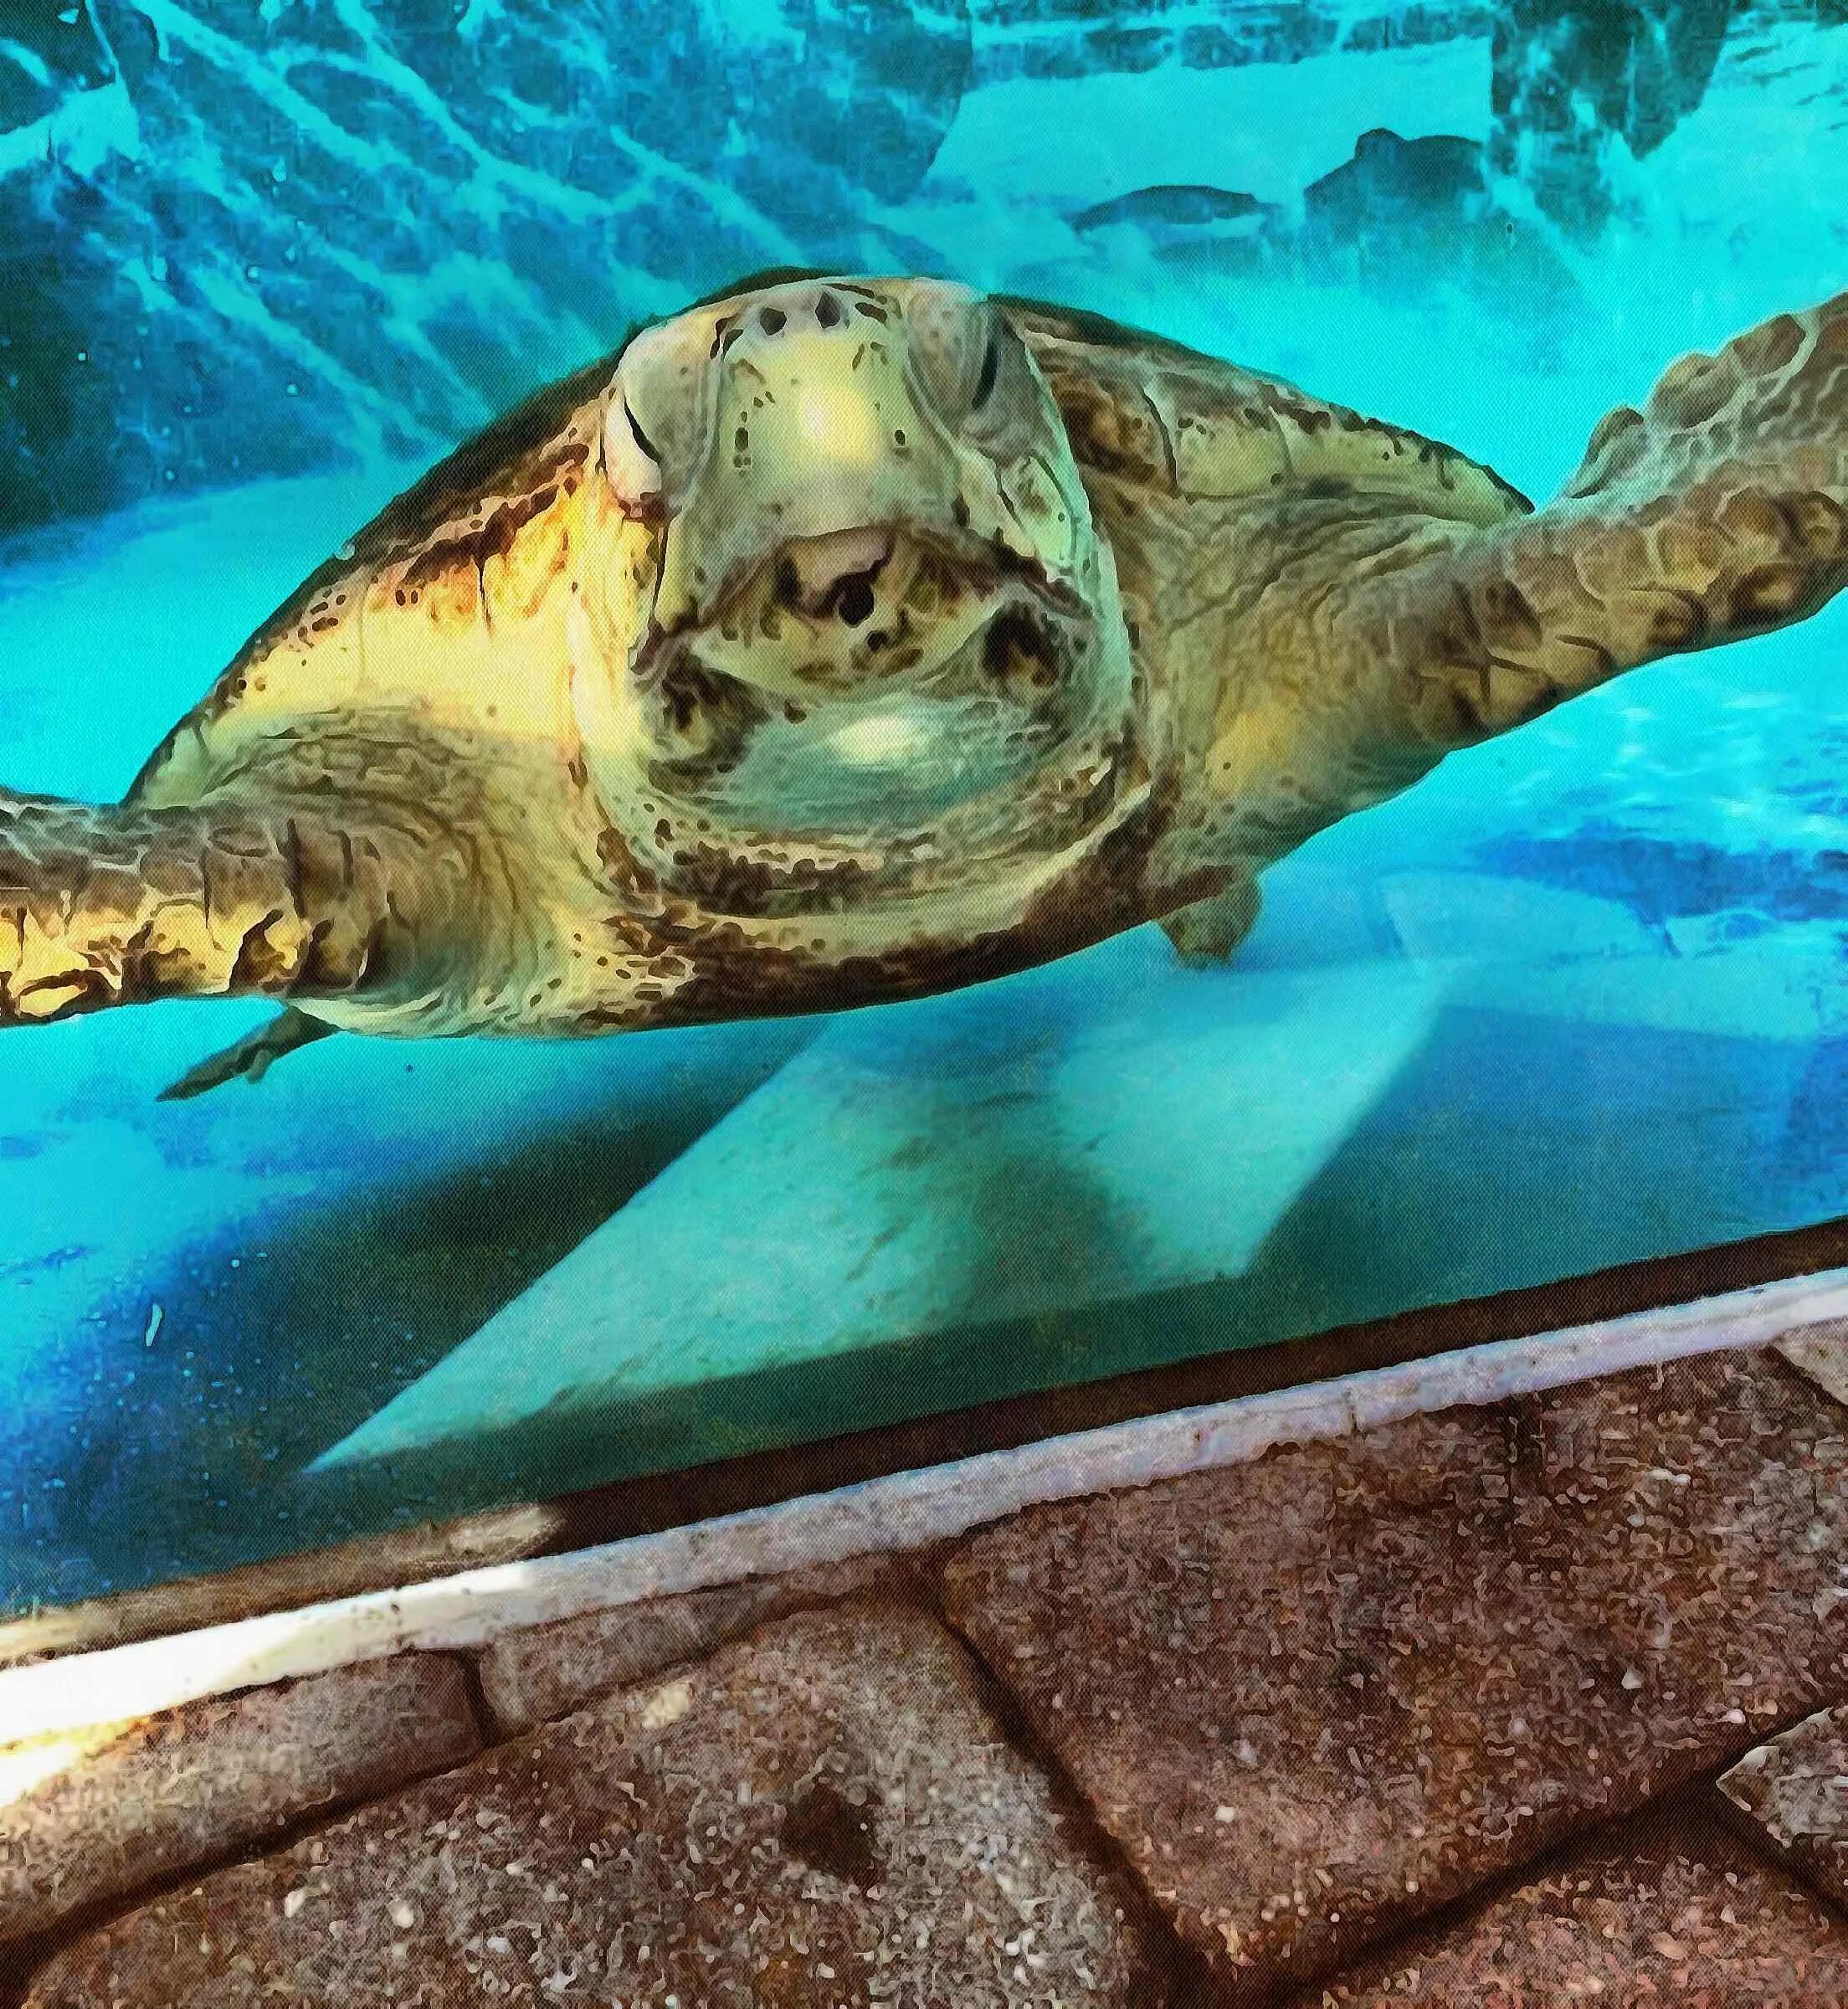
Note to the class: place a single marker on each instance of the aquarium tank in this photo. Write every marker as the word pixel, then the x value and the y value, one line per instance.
pixel 1579 998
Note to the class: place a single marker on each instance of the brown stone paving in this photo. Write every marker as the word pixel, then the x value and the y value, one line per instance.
pixel 1795 1791
pixel 543 1672
pixel 1681 1919
pixel 825 1814
pixel 1313 1695
pixel 86 1819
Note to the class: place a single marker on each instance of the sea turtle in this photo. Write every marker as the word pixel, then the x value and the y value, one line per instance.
pixel 843 638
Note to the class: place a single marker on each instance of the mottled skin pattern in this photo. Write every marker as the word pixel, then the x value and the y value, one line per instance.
pixel 845 640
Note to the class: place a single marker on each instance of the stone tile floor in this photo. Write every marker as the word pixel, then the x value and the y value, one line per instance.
pixel 1534 1703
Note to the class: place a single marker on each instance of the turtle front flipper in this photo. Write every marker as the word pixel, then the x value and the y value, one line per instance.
pixel 250 1058
pixel 119 906
pixel 1716 511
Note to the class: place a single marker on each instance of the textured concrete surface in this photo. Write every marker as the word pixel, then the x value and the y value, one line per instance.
pixel 1680 1920
pixel 86 1818
pixel 1795 1790
pixel 825 1814
pixel 1315 1695
pixel 543 1672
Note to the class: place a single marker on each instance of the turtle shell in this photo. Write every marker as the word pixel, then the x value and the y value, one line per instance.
pixel 483 534
pixel 1147 412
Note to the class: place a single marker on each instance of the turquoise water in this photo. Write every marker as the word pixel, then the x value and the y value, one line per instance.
pixel 1581 997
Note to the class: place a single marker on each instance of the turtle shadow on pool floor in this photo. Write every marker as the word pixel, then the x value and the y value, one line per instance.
pixel 1434 1195
pixel 1465 1179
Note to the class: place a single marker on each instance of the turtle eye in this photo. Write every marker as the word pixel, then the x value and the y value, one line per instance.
pixel 958 342
pixel 642 439
pixel 991 369
pixel 631 457
pixel 993 396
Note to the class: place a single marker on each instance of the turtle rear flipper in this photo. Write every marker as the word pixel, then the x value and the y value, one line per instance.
pixel 1210 931
pixel 1716 511
pixel 118 905
pixel 250 1058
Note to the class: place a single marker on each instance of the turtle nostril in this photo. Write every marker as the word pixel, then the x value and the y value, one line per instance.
pixel 828 311
pixel 770 320
pixel 855 602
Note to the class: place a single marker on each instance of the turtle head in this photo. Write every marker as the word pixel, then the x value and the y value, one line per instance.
pixel 862 597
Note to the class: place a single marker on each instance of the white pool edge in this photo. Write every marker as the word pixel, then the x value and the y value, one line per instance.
pixel 906 1510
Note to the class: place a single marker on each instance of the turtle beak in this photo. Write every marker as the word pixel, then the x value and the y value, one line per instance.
pixel 837 573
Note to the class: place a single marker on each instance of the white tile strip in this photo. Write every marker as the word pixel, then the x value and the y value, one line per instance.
pixel 906 1510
